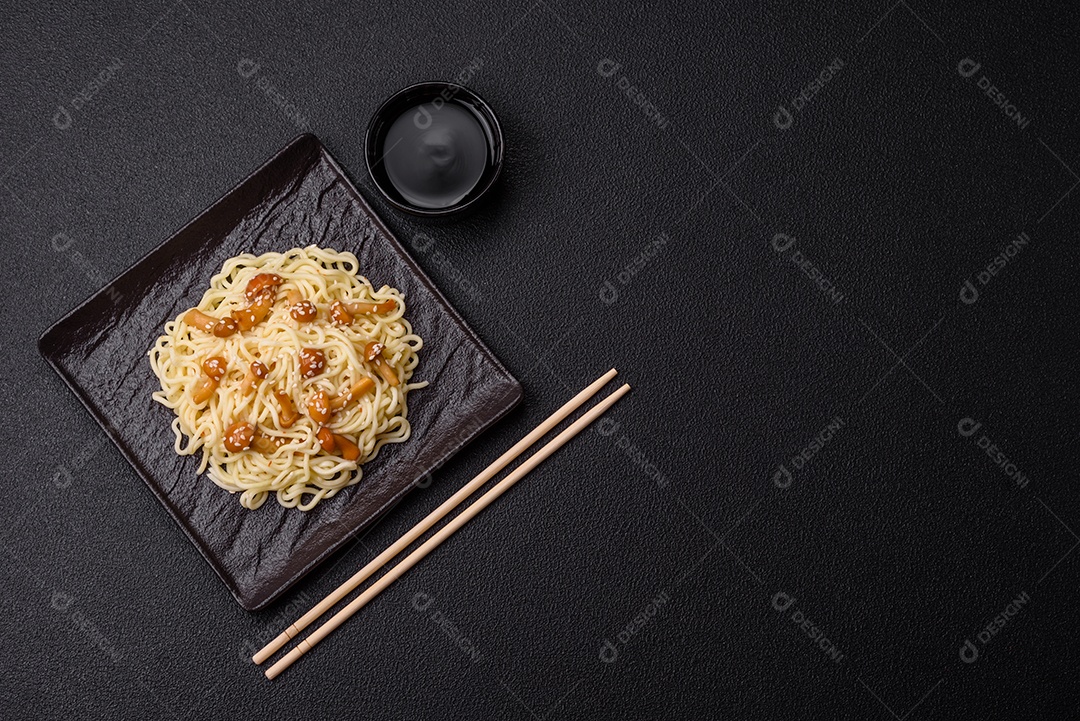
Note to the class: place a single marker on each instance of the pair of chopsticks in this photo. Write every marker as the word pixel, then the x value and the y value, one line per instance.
pixel 434 517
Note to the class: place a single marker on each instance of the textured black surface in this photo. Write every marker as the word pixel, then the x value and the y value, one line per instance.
pixel 299 197
pixel 899 180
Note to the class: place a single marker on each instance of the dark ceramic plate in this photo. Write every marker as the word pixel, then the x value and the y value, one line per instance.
pixel 300 197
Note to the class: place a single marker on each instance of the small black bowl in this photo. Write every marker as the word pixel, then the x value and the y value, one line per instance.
pixel 419 94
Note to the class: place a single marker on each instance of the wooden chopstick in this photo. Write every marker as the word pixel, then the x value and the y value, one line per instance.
pixel 464 517
pixel 434 517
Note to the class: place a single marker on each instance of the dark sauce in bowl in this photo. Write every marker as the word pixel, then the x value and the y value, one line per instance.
pixel 435 157
pixel 434 148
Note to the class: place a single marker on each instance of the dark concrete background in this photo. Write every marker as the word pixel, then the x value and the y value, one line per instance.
pixel 765 217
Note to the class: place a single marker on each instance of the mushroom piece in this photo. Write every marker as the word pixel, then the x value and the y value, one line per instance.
pixel 261 283
pixel 214 369
pixel 346 448
pixel 339 313
pixel 238 437
pixel 261 305
pixel 335 442
pixel 245 318
pixel 255 373
pixel 288 415
pixel 248 318
pixel 351 394
pixel 373 352
pixel 200 320
pixel 318 407
pixel 312 362
pixel 225 327
pixel 326 439
pixel 204 388
pixel 304 312
pixel 387 306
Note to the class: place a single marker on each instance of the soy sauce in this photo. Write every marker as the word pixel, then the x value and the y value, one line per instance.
pixel 436 153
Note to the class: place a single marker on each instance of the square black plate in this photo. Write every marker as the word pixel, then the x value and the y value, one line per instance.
pixel 299 197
